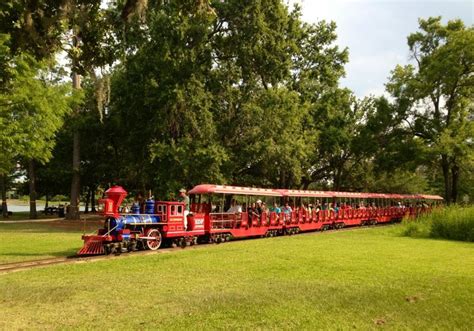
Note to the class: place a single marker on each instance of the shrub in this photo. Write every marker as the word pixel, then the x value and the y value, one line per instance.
pixel 416 229
pixel 59 198
pixel 454 223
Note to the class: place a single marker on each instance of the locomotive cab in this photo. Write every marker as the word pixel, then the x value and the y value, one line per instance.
pixel 172 213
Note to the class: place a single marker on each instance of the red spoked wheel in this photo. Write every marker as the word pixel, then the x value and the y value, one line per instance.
pixel 153 244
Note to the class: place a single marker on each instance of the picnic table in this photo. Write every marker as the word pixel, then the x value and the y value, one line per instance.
pixel 54 210
pixel 9 212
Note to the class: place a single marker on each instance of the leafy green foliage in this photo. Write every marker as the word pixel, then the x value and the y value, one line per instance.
pixel 178 93
pixel 454 223
pixel 434 97
pixel 221 90
pixel 32 109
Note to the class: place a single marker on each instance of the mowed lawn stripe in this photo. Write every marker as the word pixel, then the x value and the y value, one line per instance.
pixel 361 279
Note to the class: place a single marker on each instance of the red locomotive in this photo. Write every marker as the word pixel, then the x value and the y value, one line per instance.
pixel 219 213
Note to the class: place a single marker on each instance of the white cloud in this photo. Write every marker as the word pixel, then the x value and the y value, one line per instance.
pixel 376 32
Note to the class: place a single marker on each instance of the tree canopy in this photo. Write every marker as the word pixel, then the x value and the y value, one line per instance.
pixel 435 96
pixel 177 93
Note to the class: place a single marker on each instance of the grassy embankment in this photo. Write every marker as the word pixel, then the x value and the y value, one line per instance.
pixel 363 279
pixel 454 223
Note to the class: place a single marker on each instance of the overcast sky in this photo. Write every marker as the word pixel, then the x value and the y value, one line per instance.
pixel 375 31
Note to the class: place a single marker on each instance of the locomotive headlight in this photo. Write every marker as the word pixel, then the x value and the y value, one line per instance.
pixel 100 208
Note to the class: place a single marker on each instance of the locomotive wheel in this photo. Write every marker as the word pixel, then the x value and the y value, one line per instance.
pixel 107 249
pixel 141 245
pixel 132 246
pixel 118 249
pixel 153 244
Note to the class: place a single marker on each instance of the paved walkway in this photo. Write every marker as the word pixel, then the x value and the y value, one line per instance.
pixel 82 218
pixel 32 221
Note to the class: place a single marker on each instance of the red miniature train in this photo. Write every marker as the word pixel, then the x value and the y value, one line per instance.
pixel 220 213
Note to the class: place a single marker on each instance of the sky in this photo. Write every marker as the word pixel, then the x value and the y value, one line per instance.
pixel 375 31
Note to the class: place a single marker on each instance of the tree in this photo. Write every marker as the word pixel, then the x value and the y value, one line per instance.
pixel 226 87
pixel 32 108
pixel 434 96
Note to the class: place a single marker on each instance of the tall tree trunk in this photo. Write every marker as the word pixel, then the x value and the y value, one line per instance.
pixel 88 199
pixel 73 213
pixel 455 181
pixel 32 185
pixel 283 178
pixel 93 200
pixel 306 182
pixel 337 179
pixel 447 184
pixel 3 184
pixel 46 203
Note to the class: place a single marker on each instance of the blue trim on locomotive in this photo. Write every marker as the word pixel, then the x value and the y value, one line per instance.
pixel 150 206
pixel 123 220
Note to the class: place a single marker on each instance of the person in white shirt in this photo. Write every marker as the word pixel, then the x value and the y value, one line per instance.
pixel 235 208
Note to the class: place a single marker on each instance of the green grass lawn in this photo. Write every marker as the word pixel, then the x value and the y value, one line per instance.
pixel 41 240
pixel 364 279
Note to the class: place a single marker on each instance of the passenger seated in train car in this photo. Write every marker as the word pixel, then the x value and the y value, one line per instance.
pixel 330 207
pixel 310 208
pixel 324 206
pixel 215 208
pixel 264 207
pixel 317 206
pixel 234 207
pixel 251 210
pixel 302 207
pixel 258 208
pixel 275 208
pixel 336 208
pixel 287 209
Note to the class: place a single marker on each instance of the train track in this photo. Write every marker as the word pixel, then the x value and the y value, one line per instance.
pixel 25 265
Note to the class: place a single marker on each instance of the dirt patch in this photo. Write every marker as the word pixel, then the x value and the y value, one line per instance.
pixel 413 298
